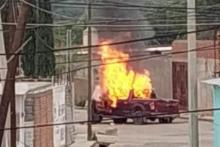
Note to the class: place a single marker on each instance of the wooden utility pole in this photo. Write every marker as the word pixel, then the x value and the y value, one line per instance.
pixel 89 129
pixel 36 71
pixel 9 88
pixel 13 100
pixel 192 76
pixel 10 15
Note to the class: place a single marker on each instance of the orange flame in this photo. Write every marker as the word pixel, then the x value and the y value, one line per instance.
pixel 117 80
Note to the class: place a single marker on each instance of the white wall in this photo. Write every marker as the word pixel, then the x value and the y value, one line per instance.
pixel 3 63
pixel 205 70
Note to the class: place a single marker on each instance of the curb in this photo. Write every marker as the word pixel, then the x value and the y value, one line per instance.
pixel 208 119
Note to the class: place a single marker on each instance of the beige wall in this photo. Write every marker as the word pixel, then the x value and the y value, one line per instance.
pixel 205 71
pixel 80 91
pixel 161 75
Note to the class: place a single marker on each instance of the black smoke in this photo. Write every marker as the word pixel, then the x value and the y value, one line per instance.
pixel 118 12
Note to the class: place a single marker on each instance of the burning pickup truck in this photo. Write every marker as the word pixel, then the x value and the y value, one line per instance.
pixel 135 108
pixel 126 92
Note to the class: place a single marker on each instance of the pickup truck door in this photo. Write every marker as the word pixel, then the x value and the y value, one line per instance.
pixel 162 106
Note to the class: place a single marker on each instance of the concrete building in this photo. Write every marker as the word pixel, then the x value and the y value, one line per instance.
pixel 49 105
pixel 3 62
pixel 160 69
pixel 205 70
pixel 215 82
pixel 21 88
pixel 78 77
pixel 42 103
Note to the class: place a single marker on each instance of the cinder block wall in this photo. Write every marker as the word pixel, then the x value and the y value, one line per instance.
pixel 43 114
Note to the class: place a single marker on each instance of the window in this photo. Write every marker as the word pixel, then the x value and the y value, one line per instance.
pixel 29 109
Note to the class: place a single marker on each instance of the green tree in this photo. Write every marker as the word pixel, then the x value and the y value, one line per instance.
pixel 162 16
pixel 173 12
pixel 39 64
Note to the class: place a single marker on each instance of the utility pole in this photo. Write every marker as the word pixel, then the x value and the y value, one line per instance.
pixel 69 87
pixel 69 44
pixel 89 128
pixel 192 70
pixel 11 16
pixel 3 72
pixel 36 71
pixel 9 87
pixel 13 100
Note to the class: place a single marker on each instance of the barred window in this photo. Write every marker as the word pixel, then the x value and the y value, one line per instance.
pixel 29 109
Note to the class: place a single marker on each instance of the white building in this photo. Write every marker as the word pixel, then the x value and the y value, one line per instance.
pixel 24 136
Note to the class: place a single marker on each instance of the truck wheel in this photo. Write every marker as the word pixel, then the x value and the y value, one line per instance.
pixel 138 118
pixel 120 120
pixel 162 120
pixel 96 118
pixel 152 119
pixel 169 120
pixel 166 120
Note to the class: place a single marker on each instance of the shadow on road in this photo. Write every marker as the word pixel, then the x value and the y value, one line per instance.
pixel 147 123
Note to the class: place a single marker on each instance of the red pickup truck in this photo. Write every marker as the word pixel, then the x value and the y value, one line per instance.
pixel 137 109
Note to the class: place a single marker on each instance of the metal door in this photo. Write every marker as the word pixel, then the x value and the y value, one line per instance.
pixel 180 91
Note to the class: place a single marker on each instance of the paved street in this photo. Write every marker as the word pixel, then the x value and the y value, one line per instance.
pixel 152 134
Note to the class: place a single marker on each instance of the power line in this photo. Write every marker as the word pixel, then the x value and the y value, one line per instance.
pixel 105 24
pixel 64 16
pixel 44 10
pixel 139 59
pixel 135 5
pixel 127 5
pixel 104 120
pixel 136 40
pixel 146 57
pixel 204 48
pixel 116 43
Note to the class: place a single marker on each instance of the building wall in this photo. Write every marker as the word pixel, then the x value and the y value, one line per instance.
pixel 80 91
pixel 161 75
pixel 216 122
pixel 205 69
pixel 3 61
pixel 180 91
pixel 62 112
pixel 205 49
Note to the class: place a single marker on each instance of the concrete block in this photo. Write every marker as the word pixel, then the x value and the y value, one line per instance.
pixel 108 131
pixel 107 136
pixel 84 144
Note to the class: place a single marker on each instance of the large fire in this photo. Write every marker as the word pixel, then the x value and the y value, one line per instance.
pixel 116 79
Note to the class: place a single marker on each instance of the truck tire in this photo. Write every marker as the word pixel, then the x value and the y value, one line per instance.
pixel 138 118
pixel 169 120
pixel 166 120
pixel 96 118
pixel 119 120
pixel 152 119
pixel 162 120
